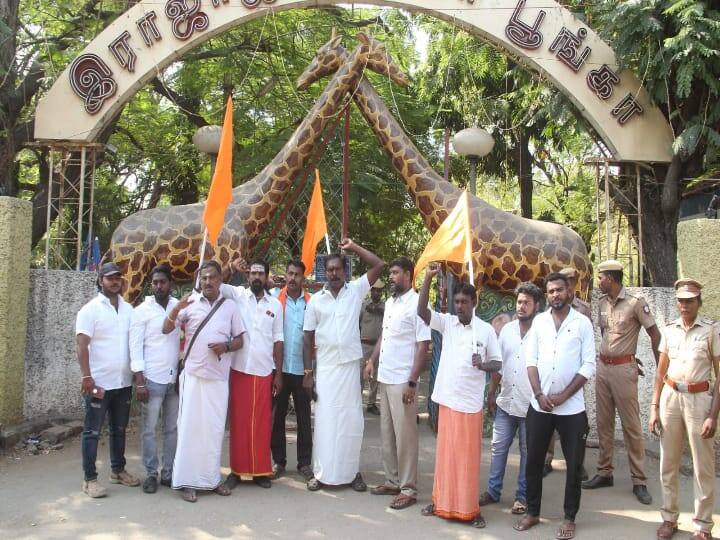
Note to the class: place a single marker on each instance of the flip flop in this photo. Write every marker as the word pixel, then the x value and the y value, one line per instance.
pixel 528 522
pixel 385 490
pixel 189 495
pixel 429 510
pixel 518 508
pixel 566 531
pixel 223 490
pixel 402 501
pixel 478 522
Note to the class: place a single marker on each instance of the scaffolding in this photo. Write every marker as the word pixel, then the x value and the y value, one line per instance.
pixel 71 197
pixel 605 210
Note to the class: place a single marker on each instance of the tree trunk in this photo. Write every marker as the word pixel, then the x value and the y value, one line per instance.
pixel 525 176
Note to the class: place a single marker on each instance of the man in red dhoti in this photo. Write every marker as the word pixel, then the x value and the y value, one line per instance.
pixel 252 383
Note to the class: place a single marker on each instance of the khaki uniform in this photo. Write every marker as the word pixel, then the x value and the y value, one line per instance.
pixel 690 353
pixel 371 317
pixel 616 385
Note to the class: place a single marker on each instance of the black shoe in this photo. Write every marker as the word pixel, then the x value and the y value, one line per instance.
pixel 263 481
pixel 547 469
pixel 150 484
pixel 642 494
pixel 372 409
pixel 358 484
pixel 278 470
pixel 583 473
pixel 306 472
pixel 166 481
pixel 598 482
pixel 231 481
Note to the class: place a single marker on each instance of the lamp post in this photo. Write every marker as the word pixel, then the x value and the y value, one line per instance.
pixel 473 143
pixel 207 141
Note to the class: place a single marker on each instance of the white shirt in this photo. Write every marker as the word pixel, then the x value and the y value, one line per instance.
pixel 263 320
pixel 401 330
pixel 459 385
pixel 152 352
pixel 108 333
pixel 515 392
pixel 559 355
pixel 335 322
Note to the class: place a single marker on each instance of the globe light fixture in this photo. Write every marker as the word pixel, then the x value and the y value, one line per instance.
pixel 207 139
pixel 473 143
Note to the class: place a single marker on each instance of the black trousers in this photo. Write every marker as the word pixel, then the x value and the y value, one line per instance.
pixel 292 385
pixel 573 431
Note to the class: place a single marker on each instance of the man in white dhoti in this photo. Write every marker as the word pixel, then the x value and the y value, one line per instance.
pixel 332 334
pixel 213 328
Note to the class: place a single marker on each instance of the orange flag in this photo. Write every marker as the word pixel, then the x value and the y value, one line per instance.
pixel 316 228
pixel 220 193
pixel 452 241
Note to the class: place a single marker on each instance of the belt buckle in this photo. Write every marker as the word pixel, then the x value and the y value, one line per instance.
pixel 682 387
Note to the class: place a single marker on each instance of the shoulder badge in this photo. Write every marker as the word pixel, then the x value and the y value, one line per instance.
pixel 646 309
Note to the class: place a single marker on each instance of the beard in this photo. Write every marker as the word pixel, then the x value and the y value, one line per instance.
pixel 256 286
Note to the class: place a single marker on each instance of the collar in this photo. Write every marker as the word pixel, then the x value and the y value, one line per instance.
pixel 698 322
pixel 621 296
pixel 326 289
pixel 150 300
pixel 403 297
pixel 457 322
pixel 105 300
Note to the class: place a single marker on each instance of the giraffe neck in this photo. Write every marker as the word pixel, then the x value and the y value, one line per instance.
pixel 255 201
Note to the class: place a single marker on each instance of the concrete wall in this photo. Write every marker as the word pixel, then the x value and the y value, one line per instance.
pixel 52 374
pixel 698 256
pixel 15 234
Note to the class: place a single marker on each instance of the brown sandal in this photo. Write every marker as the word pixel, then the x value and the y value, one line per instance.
pixel 518 508
pixel 384 489
pixel 666 530
pixel 566 531
pixel 402 501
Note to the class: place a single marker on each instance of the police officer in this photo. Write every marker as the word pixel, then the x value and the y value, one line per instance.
pixel 683 403
pixel 621 316
pixel 583 308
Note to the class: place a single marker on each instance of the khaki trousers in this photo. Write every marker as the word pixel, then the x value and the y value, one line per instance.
pixel 399 434
pixel 373 382
pixel 616 389
pixel 683 415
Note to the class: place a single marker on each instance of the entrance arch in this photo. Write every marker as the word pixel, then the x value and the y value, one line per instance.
pixel 541 34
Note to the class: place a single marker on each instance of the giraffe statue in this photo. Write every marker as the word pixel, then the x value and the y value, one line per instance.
pixel 173 235
pixel 507 249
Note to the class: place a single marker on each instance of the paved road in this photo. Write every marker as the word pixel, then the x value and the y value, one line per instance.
pixel 41 498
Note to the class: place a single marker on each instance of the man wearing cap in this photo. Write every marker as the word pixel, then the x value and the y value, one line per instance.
pixel 583 308
pixel 621 316
pixel 371 318
pixel 101 329
pixel 683 404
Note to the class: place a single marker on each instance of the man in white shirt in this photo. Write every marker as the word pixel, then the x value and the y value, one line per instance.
pixel 511 405
pixel 154 360
pixel 402 351
pixel 101 330
pixel 332 335
pixel 560 358
pixel 469 351
pixel 213 331
pixel 252 383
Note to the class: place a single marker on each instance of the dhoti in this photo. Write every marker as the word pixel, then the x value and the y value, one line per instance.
pixel 457 465
pixel 250 424
pixel 338 424
pixel 201 429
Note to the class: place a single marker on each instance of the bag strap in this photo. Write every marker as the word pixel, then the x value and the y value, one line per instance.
pixel 202 325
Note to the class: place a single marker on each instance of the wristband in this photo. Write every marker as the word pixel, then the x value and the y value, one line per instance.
pixel 139 386
pixel 87 377
pixel 169 318
pixel 412 384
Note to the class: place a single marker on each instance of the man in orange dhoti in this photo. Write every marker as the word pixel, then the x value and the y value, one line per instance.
pixel 469 350
pixel 252 383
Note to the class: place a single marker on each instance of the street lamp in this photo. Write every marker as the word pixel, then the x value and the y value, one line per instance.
pixel 473 143
pixel 207 141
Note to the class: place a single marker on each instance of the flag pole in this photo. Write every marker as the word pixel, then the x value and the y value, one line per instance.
pixel 327 244
pixel 202 259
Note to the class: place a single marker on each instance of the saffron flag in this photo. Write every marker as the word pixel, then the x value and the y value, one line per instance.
pixel 452 241
pixel 220 193
pixel 316 228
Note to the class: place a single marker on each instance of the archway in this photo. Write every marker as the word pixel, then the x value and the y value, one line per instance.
pixel 541 34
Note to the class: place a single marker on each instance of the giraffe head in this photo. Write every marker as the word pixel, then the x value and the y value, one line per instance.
pixel 332 55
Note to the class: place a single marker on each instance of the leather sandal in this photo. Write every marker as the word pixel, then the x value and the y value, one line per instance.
pixel 666 530
pixel 402 501
pixel 384 489
pixel 518 507
pixel 429 510
pixel 479 522
pixel 566 531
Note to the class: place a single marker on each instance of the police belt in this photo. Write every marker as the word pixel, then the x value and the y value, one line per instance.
pixel 617 360
pixel 687 388
pixel 368 341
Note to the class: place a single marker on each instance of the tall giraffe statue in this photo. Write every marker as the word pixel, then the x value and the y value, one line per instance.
pixel 173 235
pixel 507 249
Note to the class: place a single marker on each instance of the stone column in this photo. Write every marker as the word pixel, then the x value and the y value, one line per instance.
pixel 698 256
pixel 15 235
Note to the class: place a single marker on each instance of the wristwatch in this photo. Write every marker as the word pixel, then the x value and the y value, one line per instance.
pixel 227 345
pixel 412 384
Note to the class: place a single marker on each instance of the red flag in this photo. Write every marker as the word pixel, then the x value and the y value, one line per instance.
pixel 220 194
